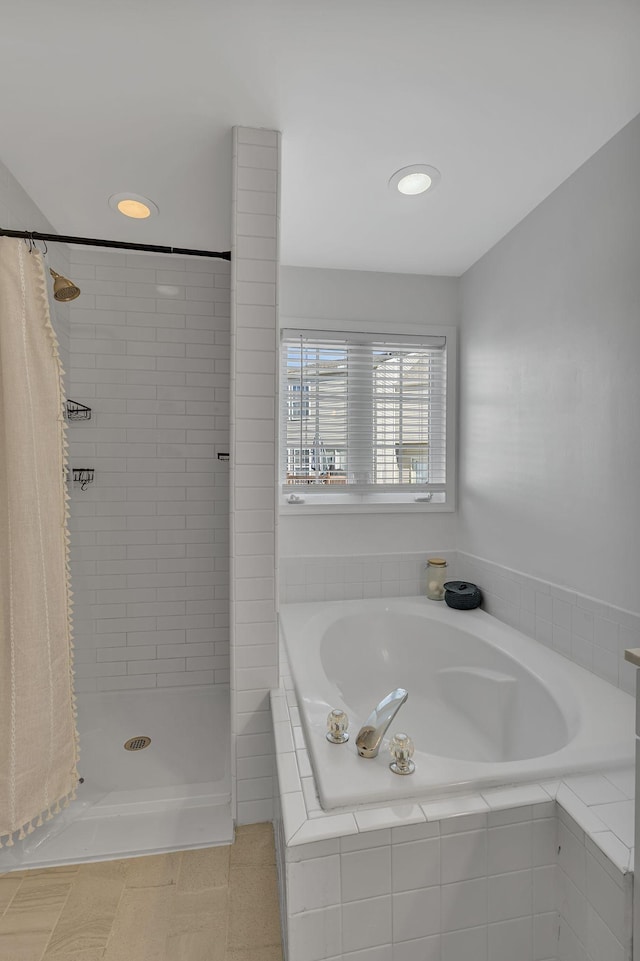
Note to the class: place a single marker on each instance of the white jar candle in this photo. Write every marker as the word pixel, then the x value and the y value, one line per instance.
pixel 436 568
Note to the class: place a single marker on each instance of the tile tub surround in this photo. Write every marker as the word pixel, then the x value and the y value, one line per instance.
pixel 149 538
pixel 488 883
pixel 516 885
pixel 583 629
pixel 356 576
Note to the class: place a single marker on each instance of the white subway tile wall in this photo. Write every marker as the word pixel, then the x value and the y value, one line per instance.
pixel 254 304
pixel 584 629
pixel 354 577
pixel 149 538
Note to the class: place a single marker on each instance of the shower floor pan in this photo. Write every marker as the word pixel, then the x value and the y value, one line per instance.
pixel 172 795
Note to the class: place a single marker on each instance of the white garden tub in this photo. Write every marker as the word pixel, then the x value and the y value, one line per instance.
pixel 487 705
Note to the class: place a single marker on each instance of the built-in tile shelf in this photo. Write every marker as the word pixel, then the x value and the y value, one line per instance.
pixel 633 656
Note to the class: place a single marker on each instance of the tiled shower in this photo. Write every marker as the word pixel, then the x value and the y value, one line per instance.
pixel 158 536
pixel 149 538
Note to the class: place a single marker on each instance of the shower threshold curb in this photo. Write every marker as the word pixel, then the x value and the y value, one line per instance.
pixel 126 835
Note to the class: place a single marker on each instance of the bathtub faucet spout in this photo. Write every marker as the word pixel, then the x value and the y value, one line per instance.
pixel 370 736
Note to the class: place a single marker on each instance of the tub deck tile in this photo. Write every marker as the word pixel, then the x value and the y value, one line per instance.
pixel 594 789
pixel 389 817
pixel 618 817
pixel 584 816
pixel 288 775
pixel 551 787
pixel 511 797
pixel 611 854
pixel 453 807
pixel 294 814
pixel 624 779
pixel 331 826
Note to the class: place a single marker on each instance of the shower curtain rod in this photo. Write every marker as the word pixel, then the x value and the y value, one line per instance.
pixel 92 242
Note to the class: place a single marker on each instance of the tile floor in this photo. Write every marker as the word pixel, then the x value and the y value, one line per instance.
pixel 214 904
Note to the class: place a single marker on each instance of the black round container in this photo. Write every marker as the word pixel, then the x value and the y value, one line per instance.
pixel 462 595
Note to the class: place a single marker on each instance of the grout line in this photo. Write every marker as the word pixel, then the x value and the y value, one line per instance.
pixel 55 923
pixel 14 895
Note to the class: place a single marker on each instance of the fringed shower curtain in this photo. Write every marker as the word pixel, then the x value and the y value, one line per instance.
pixel 38 738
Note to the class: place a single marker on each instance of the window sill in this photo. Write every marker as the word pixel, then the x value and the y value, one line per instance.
pixel 362 504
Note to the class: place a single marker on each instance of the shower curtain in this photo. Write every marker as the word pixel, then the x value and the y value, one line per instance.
pixel 38 737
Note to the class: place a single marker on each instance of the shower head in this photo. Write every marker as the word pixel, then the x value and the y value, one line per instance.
pixel 63 288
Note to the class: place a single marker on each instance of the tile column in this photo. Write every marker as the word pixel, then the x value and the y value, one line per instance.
pixel 253 517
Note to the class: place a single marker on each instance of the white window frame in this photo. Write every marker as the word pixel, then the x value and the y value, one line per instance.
pixel 358 503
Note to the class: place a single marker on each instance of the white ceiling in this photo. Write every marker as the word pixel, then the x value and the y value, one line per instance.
pixel 506 97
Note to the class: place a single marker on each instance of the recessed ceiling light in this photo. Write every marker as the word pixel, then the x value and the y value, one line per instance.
pixel 414 180
pixel 133 205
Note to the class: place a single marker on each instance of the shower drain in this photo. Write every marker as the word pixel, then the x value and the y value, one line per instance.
pixel 137 743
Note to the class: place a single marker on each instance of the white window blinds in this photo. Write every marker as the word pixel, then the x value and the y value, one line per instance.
pixel 363 413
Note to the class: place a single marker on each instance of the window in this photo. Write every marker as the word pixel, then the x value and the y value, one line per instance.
pixel 364 419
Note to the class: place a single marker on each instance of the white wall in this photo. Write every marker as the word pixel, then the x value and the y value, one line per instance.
pixel 550 389
pixel 19 212
pixel 361 296
pixel 149 538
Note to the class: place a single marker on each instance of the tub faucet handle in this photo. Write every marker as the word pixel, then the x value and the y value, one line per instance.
pixel 337 724
pixel 401 749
